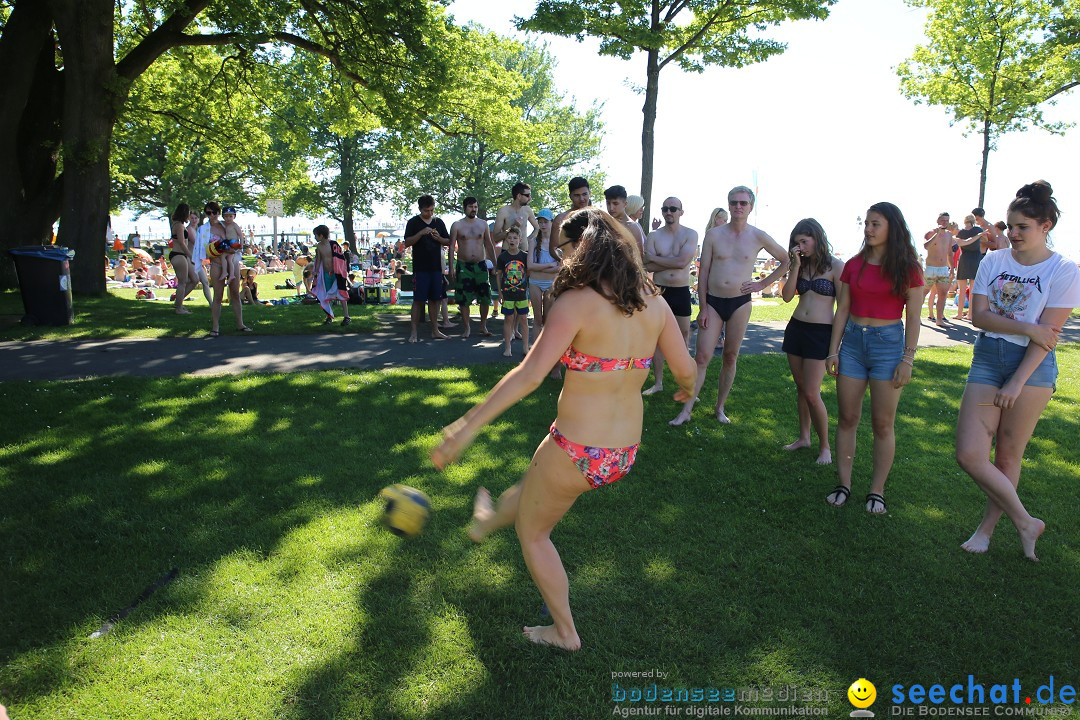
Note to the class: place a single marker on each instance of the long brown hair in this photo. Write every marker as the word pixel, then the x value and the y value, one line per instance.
pixel 900 264
pixel 607 260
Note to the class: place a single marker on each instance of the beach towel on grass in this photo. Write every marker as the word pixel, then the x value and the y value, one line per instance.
pixel 331 283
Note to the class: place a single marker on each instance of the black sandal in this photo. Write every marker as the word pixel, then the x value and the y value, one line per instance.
pixel 873 500
pixel 842 493
pixel 346 321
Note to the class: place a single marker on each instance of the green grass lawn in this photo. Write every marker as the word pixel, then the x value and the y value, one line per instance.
pixel 119 314
pixel 716 561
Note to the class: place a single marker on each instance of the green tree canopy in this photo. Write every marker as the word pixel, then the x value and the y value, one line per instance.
pixel 197 127
pixel 997 76
pixel 71 64
pixel 690 33
pixel 535 135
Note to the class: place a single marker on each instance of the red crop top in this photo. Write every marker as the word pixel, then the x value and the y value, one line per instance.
pixel 871 294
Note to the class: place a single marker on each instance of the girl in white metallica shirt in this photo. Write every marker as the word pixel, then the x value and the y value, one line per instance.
pixel 1021 299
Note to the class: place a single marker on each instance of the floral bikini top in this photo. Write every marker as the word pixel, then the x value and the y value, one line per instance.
pixel 574 359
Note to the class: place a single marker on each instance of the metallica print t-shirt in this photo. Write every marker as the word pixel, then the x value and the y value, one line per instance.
pixel 1020 292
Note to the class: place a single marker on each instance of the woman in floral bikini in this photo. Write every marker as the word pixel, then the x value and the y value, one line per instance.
pixel 605 323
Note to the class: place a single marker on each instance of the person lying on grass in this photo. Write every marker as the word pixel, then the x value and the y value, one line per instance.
pixel 604 324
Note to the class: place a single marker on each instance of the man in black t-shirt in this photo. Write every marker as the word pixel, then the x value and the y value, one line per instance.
pixel 426 234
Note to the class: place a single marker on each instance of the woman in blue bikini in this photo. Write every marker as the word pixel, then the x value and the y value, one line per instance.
pixel 604 325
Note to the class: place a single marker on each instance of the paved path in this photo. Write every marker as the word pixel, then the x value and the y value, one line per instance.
pixel 385 348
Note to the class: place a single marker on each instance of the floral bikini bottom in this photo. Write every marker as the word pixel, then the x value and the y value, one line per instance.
pixel 600 466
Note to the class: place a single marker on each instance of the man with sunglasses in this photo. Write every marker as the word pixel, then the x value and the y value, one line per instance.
pixel 725 287
pixel 517 213
pixel 669 252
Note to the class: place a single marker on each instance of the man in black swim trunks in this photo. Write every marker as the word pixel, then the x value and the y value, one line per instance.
pixel 669 253
pixel 726 284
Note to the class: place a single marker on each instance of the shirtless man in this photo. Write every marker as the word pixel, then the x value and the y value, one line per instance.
pixel 517 213
pixel 939 267
pixel 616 207
pixel 669 253
pixel 580 197
pixel 471 239
pixel 727 259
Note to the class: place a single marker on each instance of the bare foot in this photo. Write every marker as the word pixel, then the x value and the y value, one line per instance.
pixel 485 332
pixel 547 635
pixel 653 390
pixel 721 417
pixel 940 323
pixel 977 543
pixel 482 510
pixel 825 458
pixel 466 334
pixel 680 419
pixel 412 339
pixel 800 443
pixel 183 312
pixel 446 324
pixel 440 336
pixel 1028 536
pixel 508 353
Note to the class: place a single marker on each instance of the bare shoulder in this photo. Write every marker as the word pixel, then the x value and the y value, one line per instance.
pixel 688 234
pixel 837 267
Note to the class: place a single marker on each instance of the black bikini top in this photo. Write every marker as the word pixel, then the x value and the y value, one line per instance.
pixel 822 286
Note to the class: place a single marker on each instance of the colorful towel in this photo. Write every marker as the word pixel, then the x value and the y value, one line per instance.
pixel 331 283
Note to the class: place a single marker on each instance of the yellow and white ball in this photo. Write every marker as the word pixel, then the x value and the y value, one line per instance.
pixel 407 509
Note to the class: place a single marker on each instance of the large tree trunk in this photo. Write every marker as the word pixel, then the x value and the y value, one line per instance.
pixel 93 95
pixel 30 107
pixel 648 125
pixel 346 183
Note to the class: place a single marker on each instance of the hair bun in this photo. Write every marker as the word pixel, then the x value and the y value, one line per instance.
pixel 1039 191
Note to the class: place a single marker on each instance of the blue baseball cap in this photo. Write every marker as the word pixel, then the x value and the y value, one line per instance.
pixel 546 214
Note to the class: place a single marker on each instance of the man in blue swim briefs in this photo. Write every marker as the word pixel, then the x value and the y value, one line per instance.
pixel 725 284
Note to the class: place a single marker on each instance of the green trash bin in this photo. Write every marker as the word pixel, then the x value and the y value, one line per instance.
pixel 44 273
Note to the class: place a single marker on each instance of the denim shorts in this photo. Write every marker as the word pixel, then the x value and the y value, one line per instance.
pixel 871 353
pixel 996 359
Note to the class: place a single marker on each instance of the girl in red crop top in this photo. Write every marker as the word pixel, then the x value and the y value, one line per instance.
pixel 602 302
pixel 870 348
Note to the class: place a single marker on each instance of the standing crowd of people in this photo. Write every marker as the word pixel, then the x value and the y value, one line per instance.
pixel 619 306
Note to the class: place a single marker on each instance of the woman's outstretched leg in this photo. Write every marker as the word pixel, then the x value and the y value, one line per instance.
pixel 549 489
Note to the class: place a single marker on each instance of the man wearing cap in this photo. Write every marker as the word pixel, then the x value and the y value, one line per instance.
pixel 471 240
pixel 580 197
pixel 669 253
pixel 616 207
pixel 939 267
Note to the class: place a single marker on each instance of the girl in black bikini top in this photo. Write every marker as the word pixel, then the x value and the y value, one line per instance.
pixel 822 286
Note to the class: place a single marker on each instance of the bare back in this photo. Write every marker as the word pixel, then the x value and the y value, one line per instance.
pixel 731 255
pixel 604 409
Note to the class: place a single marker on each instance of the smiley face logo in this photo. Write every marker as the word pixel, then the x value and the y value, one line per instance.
pixel 862 693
